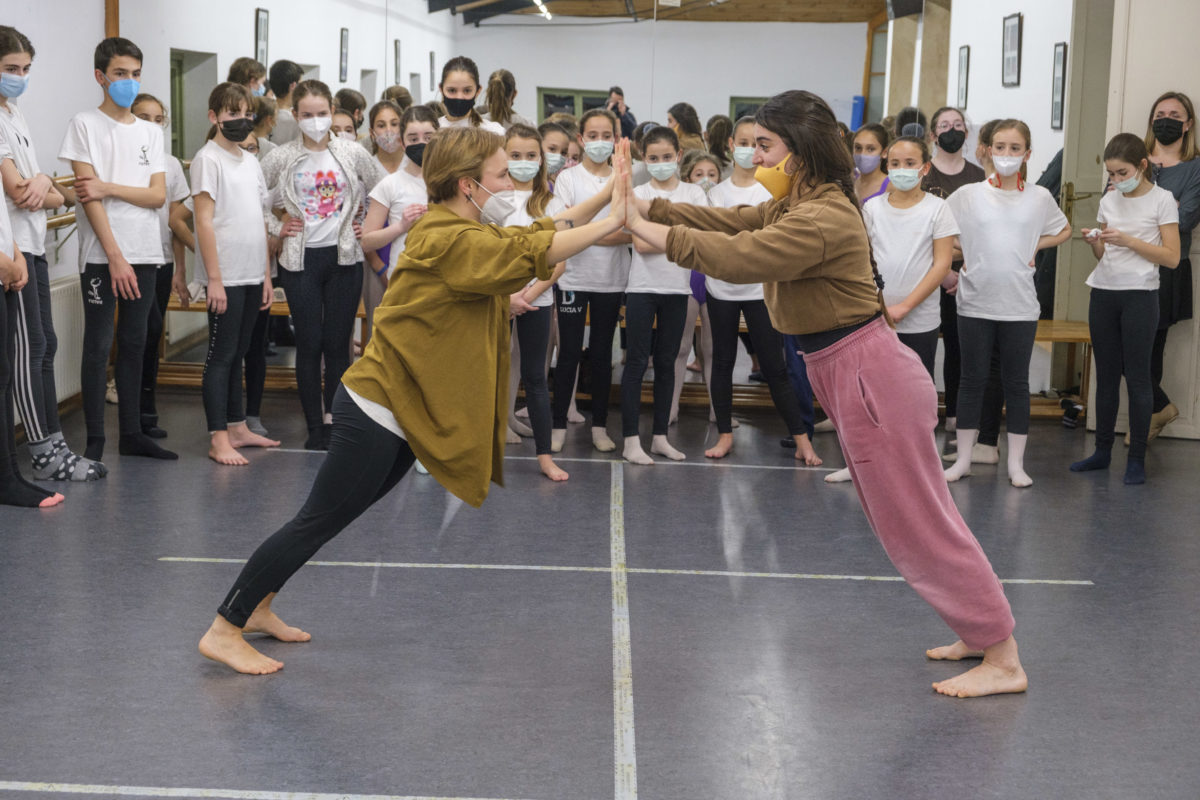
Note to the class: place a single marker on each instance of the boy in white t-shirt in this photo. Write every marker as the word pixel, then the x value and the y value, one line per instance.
pixel 230 197
pixel 120 180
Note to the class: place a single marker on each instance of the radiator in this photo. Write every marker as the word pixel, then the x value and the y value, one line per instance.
pixel 66 306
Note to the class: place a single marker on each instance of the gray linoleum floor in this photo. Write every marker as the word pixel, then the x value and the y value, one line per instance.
pixel 466 682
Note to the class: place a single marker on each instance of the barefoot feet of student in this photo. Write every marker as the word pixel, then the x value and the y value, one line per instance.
pixel 721 448
pixel 550 469
pixel 223 642
pixel 264 620
pixel 1000 673
pixel 954 652
pixel 805 452
pixel 241 436
pixel 221 450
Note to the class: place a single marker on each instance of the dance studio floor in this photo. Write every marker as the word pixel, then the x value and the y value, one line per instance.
pixel 687 631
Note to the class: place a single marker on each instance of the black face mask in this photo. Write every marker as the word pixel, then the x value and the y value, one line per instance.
pixel 458 107
pixel 415 153
pixel 951 141
pixel 236 130
pixel 1167 130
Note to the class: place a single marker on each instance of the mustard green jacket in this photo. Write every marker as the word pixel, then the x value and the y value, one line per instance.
pixel 438 355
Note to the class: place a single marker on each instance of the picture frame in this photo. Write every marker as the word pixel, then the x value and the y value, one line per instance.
pixel 1010 65
pixel 344 61
pixel 262 19
pixel 432 71
pixel 964 73
pixel 396 73
pixel 1058 87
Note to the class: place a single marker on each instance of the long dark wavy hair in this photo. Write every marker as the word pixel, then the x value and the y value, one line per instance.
pixel 808 127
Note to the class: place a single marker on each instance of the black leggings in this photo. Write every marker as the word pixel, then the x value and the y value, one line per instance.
pixel 1014 341
pixel 1157 351
pixel 641 311
pixel 924 344
pixel 8 335
pixel 228 338
pixel 33 362
pixel 1123 325
pixel 533 337
pixel 154 332
pixel 99 305
pixel 724 316
pixel 365 461
pixel 573 317
pixel 256 364
pixel 993 395
pixel 323 298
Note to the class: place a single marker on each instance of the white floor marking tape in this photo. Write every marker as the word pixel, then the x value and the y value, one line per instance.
pixel 231 794
pixel 624 751
pixel 717 573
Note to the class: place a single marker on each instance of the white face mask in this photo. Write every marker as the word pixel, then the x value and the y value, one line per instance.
pixel 744 157
pixel 347 136
pixel 315 128
pixel 1007 165
pixel 555 162
pixel 497 209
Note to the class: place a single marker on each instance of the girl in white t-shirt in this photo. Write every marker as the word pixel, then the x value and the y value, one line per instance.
pixel 400 199
pixel 532 308
pixel 589 293
pixel 1139 230
pixel 1003 223
pixel 460 90
pixel 387 145
pixel 728 303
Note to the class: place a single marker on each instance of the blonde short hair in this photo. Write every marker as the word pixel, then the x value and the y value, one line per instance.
pixel 453 154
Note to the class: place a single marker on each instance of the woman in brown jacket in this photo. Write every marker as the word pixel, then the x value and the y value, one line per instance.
pixel 433 382
pixel 810 250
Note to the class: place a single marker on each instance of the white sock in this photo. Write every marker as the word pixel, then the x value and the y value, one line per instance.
pixel 522 413
pixel 841 476
pixel 985 454
pixel 951 424
pixel 558 437
pixel 574 417
pixel 634 453
pixel 511 436
pixel 601 440
pixel 421 469
pixel 1016 460
pixel 518 427
pixel 962 466
pixel 661 447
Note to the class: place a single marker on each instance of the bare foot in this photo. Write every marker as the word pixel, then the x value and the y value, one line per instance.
pixel 955 652
pixel 221 451
pixel 550 469
pixel 805 452
pixel 241 436
pixel 1000 673
pixel 264 620
pixel 721 448
pixel 223 642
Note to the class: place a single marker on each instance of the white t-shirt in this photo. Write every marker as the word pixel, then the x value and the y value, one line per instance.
pixel 599 268
pixel 239 193
pixel 465 122
pixel 397 192
pixel 902 239
pixel 6 234
pixel 522 218
pixel 177 192
pixel 726 195
pixel 1140 217
pixel 127 154
pixel 322 188
pixel 286 128
pixel 653 273
pixel 999 231
pixel 28 227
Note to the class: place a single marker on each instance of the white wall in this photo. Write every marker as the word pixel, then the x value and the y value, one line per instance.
pixel 979 23
pixel 697 62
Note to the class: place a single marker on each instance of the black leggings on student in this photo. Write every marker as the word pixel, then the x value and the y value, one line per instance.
pixel 99 305
pixel 8 335
pixel 256 364
pixel 36 343
pixel 573 317
pixel 365 461
pixel 1014 341
pixel 323 298
pixel 993 395
pixel 533 338
pixel 228 338
pixel 154 332
pixel 724 316
pixel 1123 325
pixel 641 311
pixel 924 344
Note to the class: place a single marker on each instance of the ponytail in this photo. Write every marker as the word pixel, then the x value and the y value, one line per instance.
pixel 501 90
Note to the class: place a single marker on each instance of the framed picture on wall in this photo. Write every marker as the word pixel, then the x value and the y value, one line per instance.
pixel 964 72
pixel 396 62
pixel 1058 83
pixel 261 17
pixel 344 61
pixel 1010 68
pixel 432 68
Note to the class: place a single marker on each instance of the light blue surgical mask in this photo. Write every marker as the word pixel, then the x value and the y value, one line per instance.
pixel 598 150
pixel 524 171
pixel 1127 186
pixel 663 171
pixel 124 92
pixel 13 86
pixel 261 91
pixel 555 162
pixel 743 157
pixel 904 179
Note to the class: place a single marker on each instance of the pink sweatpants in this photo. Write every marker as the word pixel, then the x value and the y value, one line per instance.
pixel 884 406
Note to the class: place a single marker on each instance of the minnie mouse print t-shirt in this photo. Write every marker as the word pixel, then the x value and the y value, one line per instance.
pixel 322 189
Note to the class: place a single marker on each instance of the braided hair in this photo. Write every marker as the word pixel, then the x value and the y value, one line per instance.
pixel 808 127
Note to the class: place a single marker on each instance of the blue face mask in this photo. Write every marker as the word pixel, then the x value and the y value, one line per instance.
pixel 555 162
pixel 743 157
pixel 1127 186
pixel 124 92
pixel 663 171
pixel 904 179
pixel 524 171
pixel 12 86
pixel 261 91
pixel 598 150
